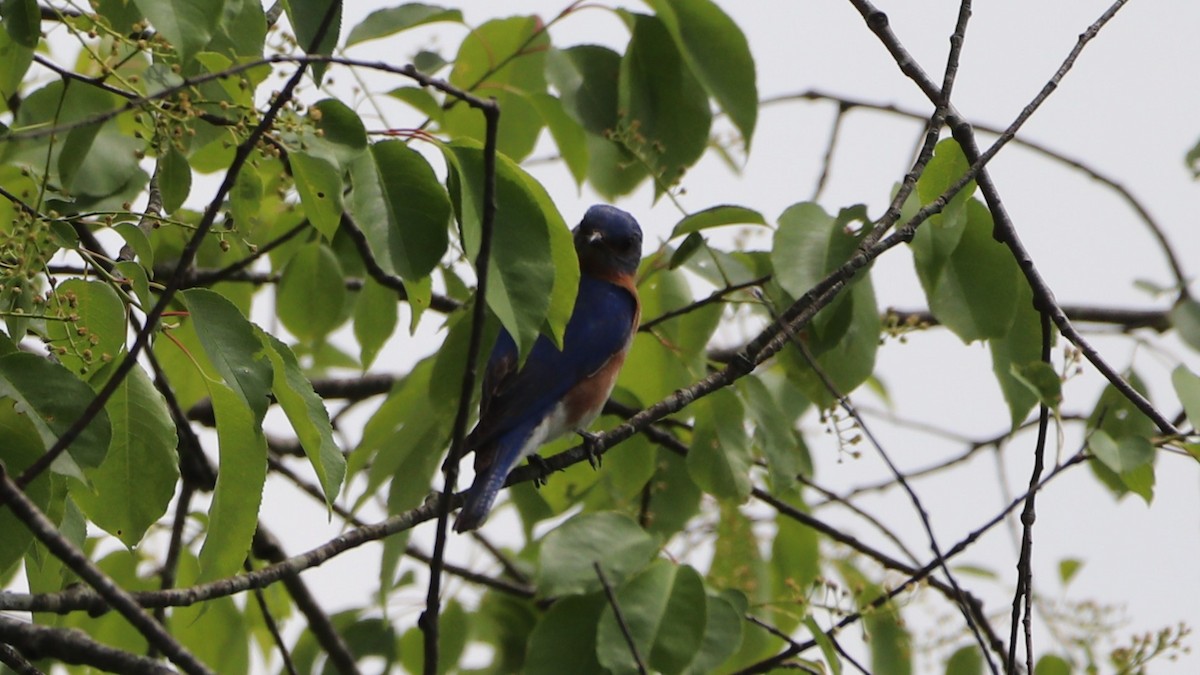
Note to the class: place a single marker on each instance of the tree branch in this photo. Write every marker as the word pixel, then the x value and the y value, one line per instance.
pixel 70 645
pixel 45 531
pixel 428 621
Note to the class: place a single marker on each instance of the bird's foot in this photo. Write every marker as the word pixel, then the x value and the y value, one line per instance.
pixel 591 446
pixel 543 468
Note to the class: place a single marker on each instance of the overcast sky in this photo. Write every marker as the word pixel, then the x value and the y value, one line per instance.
pixel 1128 110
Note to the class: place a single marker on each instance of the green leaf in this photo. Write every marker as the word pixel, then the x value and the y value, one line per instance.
pixel 15 60
pixel 1185 317
pixel 420 298
pixel 233 515
pixel 586 78
pixel 718 54
pixel 52 399
pixel 1130 458
pixel 844 339
pixel 568 552
pixel 397 437
pixel 1187 387
pixel 306 412
pixel 1041 379
pixel 722 636
pixel 134 485
pixel 22 446
pixel 568 135
pixel 810 244
pixel 965 661
pixel 174 179
pixel 529 251
pixel 385 22
pixel 375 316
pixel 504 58
pixel 137 240
pixel 673 497
pixel 93 329
pixel 234 90
pixel 667 113
pixel 319 185
pixel 410 208
pixel 1016 349
pixel 230 342
pixel 80 103
pixel 716 216
pixel 673 355
pixel 973 289
pixel 665 609
pixel 245 199
pixel 241 33
pixel 311 293
pixel 566 634
pixel 1051 664
pixel 1118 416
pixel 307 18
pixel 215 631
pixel 795 565
pixel 22 21
pixel 187 24
pixel 719 459
pixel 342 133
pixel 890 641
pixel 947 165
pixel 429 62
pixel 774 432
pixel 832 659
pixel 420 100
pixel 1067 569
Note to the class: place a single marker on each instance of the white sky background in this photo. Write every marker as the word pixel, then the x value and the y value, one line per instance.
pixel 1127 110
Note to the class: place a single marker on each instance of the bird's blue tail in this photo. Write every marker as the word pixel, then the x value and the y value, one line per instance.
pixel 479 501
pixel 505 454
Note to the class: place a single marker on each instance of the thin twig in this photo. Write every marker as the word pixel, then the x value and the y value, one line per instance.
pixel 1140 209
pixel 843 401
pixel 1004 228
pixel 766 665
pixel 1028 515
pixel 429 618
pixel 830 147
pixel 272 627
pixel 209 277
pixel 716 296
pixel 267 547
pixel 621 623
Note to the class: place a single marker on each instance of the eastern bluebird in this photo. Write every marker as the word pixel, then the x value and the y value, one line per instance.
pixel 558 391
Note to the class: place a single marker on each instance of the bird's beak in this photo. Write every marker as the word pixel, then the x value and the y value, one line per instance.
pixel 594 237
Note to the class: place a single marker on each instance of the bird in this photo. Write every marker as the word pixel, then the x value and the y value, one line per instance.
pixel 557 392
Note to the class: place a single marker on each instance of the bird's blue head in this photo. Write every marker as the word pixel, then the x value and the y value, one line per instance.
pixel 608 240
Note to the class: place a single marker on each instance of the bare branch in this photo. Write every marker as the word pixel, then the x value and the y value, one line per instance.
pixel 70 645
pixel 266 547
pixel 45 531
pixel 621 623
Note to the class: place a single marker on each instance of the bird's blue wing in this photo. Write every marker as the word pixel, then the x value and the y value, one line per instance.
pixel 598 329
